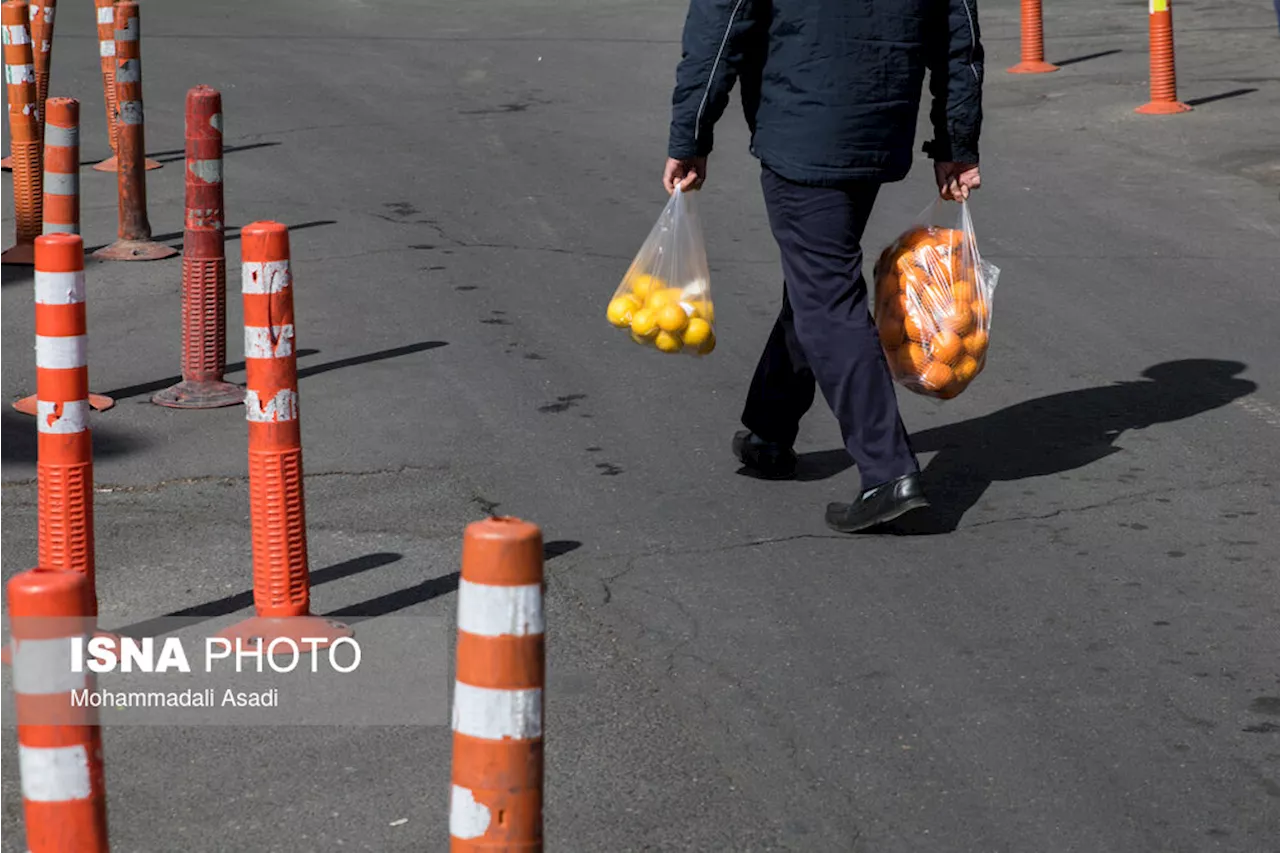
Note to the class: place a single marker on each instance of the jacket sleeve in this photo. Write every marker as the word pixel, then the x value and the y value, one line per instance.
pixel 955 82
pixel 715 51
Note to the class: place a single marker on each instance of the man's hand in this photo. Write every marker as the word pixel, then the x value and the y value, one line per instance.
pixel 688 174
pixel 955 180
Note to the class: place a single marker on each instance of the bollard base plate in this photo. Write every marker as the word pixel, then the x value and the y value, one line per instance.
pixel 111 164
pixel 1033 68
pixel 1163 108
pixel 6 656
pixel 23 254
pixel 200 394
pixel 97 402
pixel 264 629
pixel 7 164
pixel 135 250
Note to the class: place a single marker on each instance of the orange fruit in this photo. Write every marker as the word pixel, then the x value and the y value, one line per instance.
pixel 621 311
pixel 661 298
pixel 891 332
pixel 958 317
pixel 949 391
pixel 964 290
pixel 911 326
pixel 698 333
pixel 966 368
pixel 644 323
pixel 672 318
pixel 936 375
pixel 975 343
pixel 912 360
pixel 668 342
pixel 946 347
pixel 643 284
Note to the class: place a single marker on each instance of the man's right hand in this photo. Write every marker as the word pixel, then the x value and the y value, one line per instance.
pixel 955 180
pixel 688 174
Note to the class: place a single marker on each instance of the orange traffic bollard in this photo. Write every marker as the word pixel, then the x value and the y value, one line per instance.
pixel 204 266
pixel 42 13
pixel 62 200
pixel 64 466
pixel 277 512
pixel 107 58
pixel 135 243
pixel 59 742
pixel 495 802
pixel 61 209
pixel 24 133
pixel 1032 41
pixel 1164 84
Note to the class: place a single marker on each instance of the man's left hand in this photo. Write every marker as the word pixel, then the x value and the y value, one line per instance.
pixel 955 180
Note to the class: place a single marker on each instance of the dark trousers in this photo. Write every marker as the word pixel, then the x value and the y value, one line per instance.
pixel 824 334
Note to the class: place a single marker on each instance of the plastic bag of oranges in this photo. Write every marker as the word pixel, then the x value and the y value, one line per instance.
pixel 933 305
pixel 664 300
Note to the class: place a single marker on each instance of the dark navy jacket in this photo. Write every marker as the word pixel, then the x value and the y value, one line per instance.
pixel 831 88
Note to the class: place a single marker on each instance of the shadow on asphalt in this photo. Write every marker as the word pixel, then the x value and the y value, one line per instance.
pixel 176 154
pixel 19 439
pixel 1234 93
pixel 428 589
pixel 1087 57
pixel 160 384
pixel 233 603
pixel 303 372
pixel 232 233
pixel 373 607
pixel 1058 433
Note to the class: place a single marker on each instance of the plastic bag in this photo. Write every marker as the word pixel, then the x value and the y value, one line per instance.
pixel 664 300
pixel 933 305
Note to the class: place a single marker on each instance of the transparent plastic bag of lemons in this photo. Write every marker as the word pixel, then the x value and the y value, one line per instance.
pixel 933 305
pixel 664 300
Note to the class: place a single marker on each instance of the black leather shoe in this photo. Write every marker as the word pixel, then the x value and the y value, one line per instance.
pixel 878 505
pixel 768 459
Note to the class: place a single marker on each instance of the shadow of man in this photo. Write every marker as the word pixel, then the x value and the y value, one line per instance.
pixel 1060 432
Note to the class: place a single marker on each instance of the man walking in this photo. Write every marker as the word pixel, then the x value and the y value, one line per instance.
pixel 831 90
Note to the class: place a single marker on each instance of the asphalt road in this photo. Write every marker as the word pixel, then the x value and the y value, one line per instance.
pixel 1078 650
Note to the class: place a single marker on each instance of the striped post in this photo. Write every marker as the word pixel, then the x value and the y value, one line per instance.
pixel 495 803
pixel 42 14
pixel 204 266
pixel 61 202
pixel 59 746
pixel 1164 83
pixel 107 58
pixel 62 167
pixel 64 466
pixel 135 243
pixel 24 133
pixel 1032 41
pixel 277 513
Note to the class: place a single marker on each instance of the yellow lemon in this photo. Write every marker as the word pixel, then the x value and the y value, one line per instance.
pixel 644 284
pixel 642 341
pixel 644 323
pixel 662 298
pixel 705 310
pixel 668 342
pixel 672 318
pixel 708 345
pixel 621 310
pixel 698 333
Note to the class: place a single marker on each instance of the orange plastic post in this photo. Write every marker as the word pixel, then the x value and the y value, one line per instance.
pixel 135 243
pixel 1032 41
pixel 62 200
pixel 277 512
pixel 24 133
pixel 1164 84
pixel 59 744
pixel 204 266
pixel 42 14
pixel 107 58
pixel 495 801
